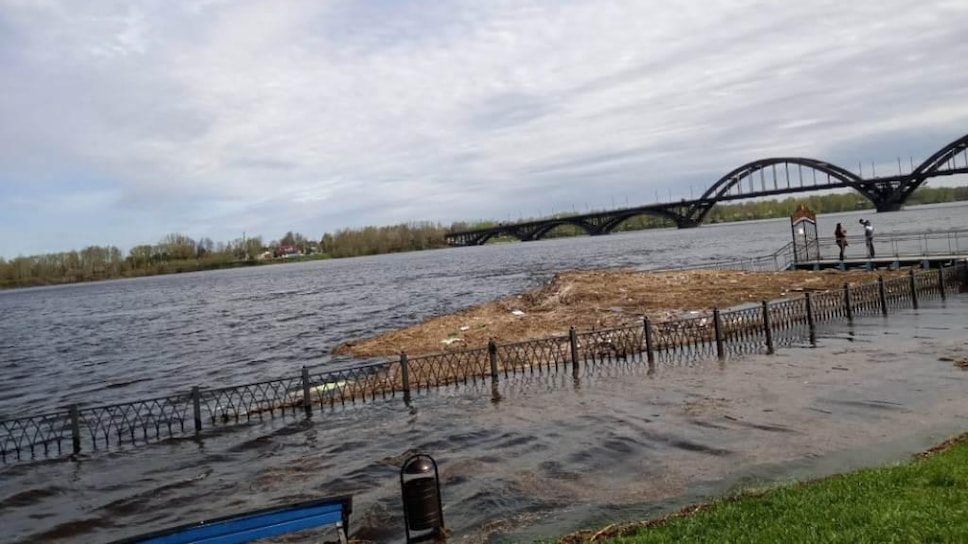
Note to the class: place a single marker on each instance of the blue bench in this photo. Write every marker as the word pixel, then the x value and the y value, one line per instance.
pixel 249 526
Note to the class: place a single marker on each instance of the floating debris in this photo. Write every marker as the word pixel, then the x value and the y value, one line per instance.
pixel 327 387
pixel 588 300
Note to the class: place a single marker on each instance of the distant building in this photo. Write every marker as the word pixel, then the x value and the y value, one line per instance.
pixel 286 251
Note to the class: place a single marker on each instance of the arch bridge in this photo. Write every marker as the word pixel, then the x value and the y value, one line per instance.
pixel 761 178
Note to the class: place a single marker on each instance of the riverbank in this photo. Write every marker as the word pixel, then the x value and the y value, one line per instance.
pixel 159 269
pixel 598 299
pixel 924 500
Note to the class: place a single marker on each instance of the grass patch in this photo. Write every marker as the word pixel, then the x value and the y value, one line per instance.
pixel 925 500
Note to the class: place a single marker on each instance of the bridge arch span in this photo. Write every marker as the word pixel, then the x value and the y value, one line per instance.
pixel 935 165
pixel 612 224
pixel 544 229
pixel 487 236
pixel 727 182
pixel 939 159
pixel 720 190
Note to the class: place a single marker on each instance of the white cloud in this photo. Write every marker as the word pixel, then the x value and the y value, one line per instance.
pixel 202 117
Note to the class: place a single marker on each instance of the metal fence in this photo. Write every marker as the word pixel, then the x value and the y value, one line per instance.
pixel 742 330
pixel 781 259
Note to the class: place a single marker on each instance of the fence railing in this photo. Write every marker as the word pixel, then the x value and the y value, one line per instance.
pixel 781 259
pixel 732 332
pixel 895 244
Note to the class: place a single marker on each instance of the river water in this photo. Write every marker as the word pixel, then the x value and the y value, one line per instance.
pixel 138 338
pixel 549 457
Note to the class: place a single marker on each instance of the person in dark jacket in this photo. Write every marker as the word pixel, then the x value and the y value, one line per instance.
pixel 840 233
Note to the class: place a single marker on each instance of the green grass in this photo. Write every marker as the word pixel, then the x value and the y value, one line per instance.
pixel 922 501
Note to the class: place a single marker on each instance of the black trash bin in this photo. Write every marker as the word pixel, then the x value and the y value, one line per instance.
pixel 420 485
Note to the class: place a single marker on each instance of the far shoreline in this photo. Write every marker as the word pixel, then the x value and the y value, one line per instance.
pixel 196 266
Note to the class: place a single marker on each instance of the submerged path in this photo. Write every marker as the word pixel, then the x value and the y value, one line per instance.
pixel 550 455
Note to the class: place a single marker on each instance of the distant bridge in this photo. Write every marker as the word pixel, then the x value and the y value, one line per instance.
pixel 765 177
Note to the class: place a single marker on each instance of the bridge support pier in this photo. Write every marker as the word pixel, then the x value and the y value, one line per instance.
pixel 889 206
pixel 687 224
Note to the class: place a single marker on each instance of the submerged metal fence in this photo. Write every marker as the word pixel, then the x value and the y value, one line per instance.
pixel 742 330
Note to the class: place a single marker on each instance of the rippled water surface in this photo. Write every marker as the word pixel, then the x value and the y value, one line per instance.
pixel 545 456
pixel 550 455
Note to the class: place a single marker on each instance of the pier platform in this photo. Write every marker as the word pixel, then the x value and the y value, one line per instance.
pixel 889 262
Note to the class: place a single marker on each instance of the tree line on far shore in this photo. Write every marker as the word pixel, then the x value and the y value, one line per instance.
pixel 180 253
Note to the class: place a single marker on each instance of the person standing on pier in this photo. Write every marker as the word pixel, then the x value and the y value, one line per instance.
pixel 840 233
pixel 868 237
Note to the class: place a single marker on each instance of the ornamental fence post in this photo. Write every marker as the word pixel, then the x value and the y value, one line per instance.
pixel 882 294
pixel 573 342
pixel 405 376
pixel 941 283
pixel 307 399
pixel 75 416
pixel 847 303
pixel 492 358
pixel 811 321
pixel 914 289
pixel 649 351
pixel 718 329
pixel 768 327
pixel 197 408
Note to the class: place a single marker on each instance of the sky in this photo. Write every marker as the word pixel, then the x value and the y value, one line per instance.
pixel 123 121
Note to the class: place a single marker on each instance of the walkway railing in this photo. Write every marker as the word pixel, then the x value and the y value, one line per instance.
pixel 749 329
pixel 902 245
pixel 781 259
pixel 895 244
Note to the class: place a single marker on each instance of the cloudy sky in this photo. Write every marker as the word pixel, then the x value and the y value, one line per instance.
pixel 121 121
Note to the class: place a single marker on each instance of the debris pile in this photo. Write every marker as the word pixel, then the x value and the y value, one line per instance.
pixel 598 299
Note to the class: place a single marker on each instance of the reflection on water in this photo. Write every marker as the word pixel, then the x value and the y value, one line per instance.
pixel 551 454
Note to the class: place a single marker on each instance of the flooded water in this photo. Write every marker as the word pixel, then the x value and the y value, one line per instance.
pixel 550 456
